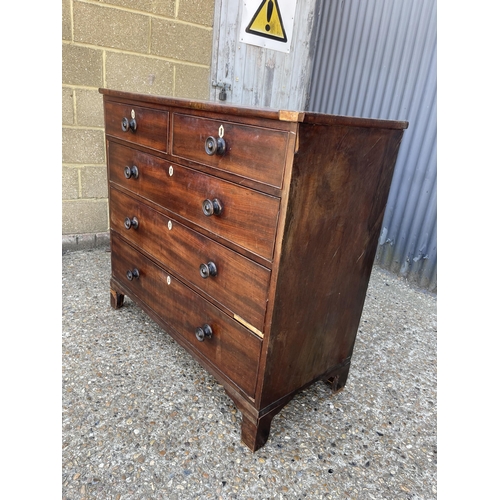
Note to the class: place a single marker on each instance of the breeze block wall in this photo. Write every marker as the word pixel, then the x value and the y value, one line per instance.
pixel 160 47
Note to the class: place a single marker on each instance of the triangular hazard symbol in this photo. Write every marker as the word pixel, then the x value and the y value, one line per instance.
pixel 267 22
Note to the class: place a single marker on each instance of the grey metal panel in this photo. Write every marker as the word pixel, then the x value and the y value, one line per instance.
pixel 258 76
pixel 377 59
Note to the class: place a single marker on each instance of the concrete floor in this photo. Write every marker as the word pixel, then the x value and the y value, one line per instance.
pixel 142 420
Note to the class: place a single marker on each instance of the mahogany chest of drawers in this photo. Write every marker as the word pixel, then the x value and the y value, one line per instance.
pixel 249 235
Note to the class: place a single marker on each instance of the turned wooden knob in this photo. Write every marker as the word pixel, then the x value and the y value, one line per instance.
pixel 129 124
pixel 209 269
pixel 131 172
pixel 134 223
pixel 132 274
pixel 203 332
pixel 211 207
pixel 215 146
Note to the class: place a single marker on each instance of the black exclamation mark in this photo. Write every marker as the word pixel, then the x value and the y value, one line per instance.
pixel 270 6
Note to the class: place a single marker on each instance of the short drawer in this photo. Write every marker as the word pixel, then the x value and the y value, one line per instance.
pixel 231 348
pixel 253 152
pixel 232 280
pixel 151 125
pixel 248 218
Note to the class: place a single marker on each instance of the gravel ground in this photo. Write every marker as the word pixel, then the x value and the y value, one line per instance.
pixel 142 420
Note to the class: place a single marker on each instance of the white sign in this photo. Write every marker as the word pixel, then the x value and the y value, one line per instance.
pixel 268 23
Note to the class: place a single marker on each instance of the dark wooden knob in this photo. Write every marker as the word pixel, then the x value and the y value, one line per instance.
pixel 131 172
pixel 203 332
pixel 215 146
pixel 207 270
pixel 131 274
pixel 133 222
pixel 129 125
pixel 212 207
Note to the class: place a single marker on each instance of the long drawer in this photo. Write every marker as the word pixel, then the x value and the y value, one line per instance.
pixel 231 347
pixel 248 218
pixel 190 255
pixel 254 152
pixel 150 125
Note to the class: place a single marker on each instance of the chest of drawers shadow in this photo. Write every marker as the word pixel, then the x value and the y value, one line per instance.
pixel 249 236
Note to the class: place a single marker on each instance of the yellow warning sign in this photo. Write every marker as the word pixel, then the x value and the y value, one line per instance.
pixel 267 22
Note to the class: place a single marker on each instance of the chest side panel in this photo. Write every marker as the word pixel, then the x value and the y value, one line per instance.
pixel 339 187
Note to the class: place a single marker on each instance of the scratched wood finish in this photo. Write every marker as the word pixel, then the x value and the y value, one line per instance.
pixel 183 250
pixel 151 124
pixel 248 218
pixel 232 348
pixel 254 152
pixel 319 236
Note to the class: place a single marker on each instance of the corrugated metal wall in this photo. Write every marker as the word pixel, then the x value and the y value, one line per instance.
pixel 377 59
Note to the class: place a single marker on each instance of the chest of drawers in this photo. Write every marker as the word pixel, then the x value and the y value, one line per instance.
pixel 249 236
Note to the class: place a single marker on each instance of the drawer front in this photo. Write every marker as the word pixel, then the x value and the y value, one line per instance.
pixel 253 152
pixel 231 348
pixel 152 125
pixel 234 281
pixel 248 218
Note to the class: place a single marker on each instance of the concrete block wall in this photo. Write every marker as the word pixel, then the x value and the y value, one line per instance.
pixel 160 47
